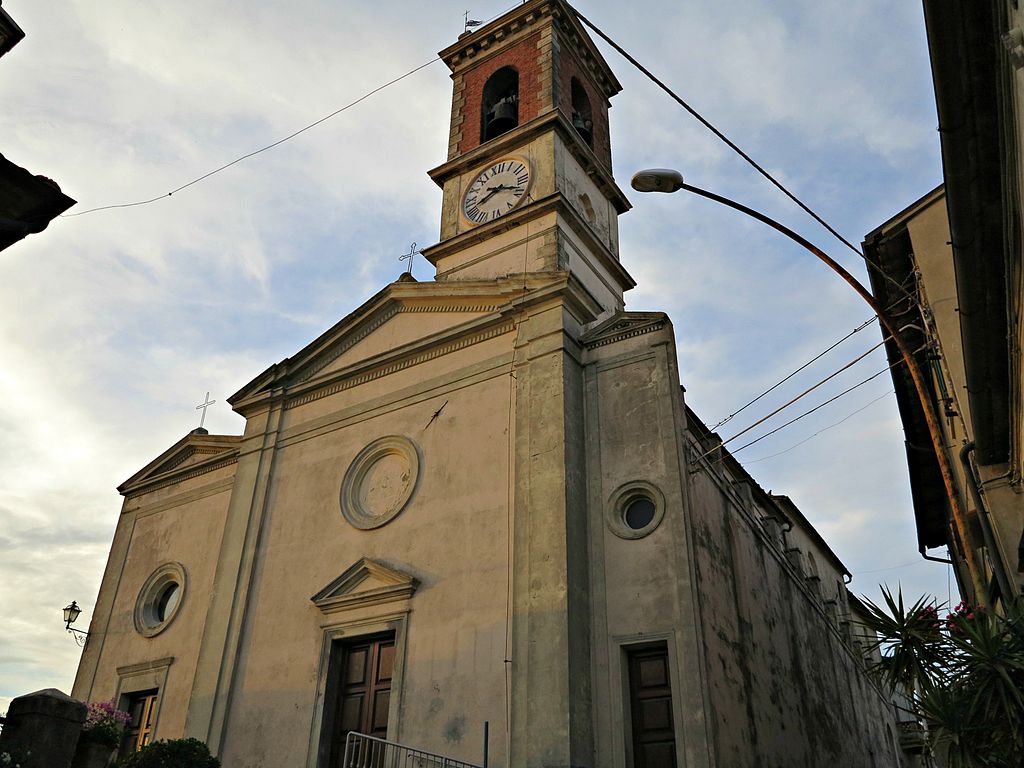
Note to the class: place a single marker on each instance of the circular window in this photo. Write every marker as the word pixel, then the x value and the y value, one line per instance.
pixel 159 599
pixel 379 482
pixel 635 510
pixel 639 513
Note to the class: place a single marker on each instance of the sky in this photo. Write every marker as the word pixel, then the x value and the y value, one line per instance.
pixel 114 324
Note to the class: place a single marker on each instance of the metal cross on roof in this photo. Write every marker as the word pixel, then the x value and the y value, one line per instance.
pixel 413 250
pixel 207 402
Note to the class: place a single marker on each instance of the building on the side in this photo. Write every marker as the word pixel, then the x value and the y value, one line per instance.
pixel 10 33
pixel 950 267
pixel 28 202
pixel 482 499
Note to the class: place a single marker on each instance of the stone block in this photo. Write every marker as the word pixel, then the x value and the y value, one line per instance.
pixel 46 724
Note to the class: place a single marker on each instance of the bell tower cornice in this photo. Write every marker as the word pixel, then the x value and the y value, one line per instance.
pixel 474 47
pixel 507 142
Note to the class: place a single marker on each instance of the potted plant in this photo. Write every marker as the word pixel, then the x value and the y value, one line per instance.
pixel 101 734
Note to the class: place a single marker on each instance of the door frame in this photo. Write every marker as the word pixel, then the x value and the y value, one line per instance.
pixel 395 624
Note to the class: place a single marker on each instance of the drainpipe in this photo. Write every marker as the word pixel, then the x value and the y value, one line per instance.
pixel 926 556
pixel 986 524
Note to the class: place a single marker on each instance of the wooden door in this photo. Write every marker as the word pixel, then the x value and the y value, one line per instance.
pixel 362 691
pixel 650 703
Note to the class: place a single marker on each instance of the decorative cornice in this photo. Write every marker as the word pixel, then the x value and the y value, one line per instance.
pixel 477 45
pixel 507 142
pixel 144 666
pixel 622 326
pixel 343 594
pixel 146 485
pixel 345 343
pixel 348 378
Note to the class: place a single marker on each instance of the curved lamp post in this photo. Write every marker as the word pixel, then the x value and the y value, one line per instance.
pixel 666 180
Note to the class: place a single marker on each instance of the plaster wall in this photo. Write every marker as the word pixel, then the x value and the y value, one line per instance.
pixel 451 537
pixel 585 196
pixel 183 523
pixel 530 247
pixel 933 256
pixel 642 590
pixel 785 687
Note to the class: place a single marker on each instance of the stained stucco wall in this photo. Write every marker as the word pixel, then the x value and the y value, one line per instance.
pixel 785 688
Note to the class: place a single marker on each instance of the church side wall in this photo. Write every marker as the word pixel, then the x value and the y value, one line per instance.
pixel 786 689
pixel 180 523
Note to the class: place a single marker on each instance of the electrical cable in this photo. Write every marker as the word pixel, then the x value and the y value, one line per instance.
pixel 289 137
pixel 815 359
pixel 803 394
pixel 817 407
pixel 824 429
pixel 731 144
pixel 889 568
pixel 257 151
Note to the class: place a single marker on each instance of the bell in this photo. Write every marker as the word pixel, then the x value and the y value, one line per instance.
pixel 583 127
pixel 501 118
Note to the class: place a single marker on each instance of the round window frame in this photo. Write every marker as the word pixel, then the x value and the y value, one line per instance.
pixel 146 615
pixel 352 508
pixel 622 497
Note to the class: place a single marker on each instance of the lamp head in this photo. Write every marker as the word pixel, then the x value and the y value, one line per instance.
pixel 657 180
pixel 71 613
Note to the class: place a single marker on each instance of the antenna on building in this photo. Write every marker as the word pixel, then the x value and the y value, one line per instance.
pixel 413 250
pixel 207 402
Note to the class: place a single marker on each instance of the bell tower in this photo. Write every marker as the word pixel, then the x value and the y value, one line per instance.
pixel 528 184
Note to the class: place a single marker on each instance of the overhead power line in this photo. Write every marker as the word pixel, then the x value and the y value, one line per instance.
pixel 817 407
pixel 805 393
pixel 729 143
pixel 813 360
pixel 845 418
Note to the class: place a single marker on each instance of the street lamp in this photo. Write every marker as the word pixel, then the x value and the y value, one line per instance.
pixel 667 180
pixel 71 614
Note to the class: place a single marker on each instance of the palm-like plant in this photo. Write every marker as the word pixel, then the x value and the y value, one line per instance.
pixel 964 677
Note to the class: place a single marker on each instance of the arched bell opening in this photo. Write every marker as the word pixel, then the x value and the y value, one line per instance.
pixel 499 107
pixel 582 118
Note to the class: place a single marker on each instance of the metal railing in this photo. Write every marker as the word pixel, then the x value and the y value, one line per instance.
pixel 362 751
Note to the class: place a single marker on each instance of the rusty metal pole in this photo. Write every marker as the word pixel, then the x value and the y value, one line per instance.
pixel 959 518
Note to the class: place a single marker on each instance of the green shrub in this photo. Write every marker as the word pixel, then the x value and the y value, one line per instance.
pixel 175 753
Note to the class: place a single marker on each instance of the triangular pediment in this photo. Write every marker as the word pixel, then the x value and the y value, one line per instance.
pixel 623 325
pixel 365 582
pixel 194 452
pixel 401 320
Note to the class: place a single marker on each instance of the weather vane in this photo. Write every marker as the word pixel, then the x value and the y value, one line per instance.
pixel 470 22
pixel 207 402
pixel 413 250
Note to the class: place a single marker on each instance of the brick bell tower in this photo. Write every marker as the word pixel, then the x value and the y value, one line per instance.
pixel 528 184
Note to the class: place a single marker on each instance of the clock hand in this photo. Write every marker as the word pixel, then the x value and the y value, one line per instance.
pixel 491 192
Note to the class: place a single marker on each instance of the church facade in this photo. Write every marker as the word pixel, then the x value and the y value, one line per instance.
pixel 482 499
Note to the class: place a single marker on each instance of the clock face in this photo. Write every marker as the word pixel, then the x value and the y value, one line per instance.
pixel 496 190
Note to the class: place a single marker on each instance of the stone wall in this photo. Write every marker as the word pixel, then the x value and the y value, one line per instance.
pixel 785 686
